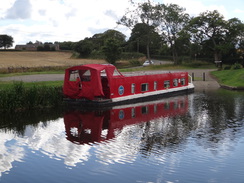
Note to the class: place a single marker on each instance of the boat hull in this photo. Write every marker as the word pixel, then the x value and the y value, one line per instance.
pixel 142 97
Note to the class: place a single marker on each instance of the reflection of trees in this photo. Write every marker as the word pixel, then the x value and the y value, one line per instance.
pixel 17 121
pixel 214 118
pixel 164 133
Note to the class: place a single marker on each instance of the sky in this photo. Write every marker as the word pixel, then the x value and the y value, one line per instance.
pixel 74 20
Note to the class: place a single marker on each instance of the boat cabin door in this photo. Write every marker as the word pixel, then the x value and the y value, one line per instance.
pixel 105 84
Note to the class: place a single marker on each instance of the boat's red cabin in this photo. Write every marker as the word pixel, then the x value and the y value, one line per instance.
pixel 89 81
pixel 96 81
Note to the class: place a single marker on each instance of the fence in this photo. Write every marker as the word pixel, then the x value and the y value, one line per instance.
pixel 200 76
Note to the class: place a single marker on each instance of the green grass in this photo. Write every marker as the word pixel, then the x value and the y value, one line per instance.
pixel 234 78
pixel 7 84
pixel 30 73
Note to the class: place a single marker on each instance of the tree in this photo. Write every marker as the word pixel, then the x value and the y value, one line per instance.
pixel 6 41
pixel 143 13
pixel 171 20
pixel 143 35
pixel 114 34
pixel 66 45
pixel 112 50
pixel 99 40
pixel 215 34
pixel 84 47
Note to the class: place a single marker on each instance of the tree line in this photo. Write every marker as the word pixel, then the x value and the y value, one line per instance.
pixel 166 30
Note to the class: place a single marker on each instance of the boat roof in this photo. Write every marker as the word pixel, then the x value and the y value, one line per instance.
pixel 97 67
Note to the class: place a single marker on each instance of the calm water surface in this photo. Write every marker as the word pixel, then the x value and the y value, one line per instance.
pixel 194 138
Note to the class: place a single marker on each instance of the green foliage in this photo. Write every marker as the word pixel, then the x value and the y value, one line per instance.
pixel 66 45
pixel 236 66
pixel 19 97
pixel 112 50
pixel 142 36
pixel 216 35
pixel 131 55
pixel 6 41
pixel 227 67
pixel 135 63
pixel 83 47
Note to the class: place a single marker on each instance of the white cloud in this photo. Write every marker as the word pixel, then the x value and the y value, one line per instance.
pixel 73 20
pixel 67 20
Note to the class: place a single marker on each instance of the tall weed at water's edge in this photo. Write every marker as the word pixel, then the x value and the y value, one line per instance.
pixel 19 97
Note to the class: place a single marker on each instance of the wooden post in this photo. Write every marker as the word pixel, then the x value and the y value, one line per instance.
pixel 203 76
pixel 192 76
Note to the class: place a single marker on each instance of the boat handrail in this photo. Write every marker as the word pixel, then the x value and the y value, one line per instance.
pixel 190 81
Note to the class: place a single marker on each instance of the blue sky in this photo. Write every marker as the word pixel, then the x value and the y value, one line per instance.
pixel 73 20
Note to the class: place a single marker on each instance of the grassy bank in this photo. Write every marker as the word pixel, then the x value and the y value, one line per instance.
pixel 17 96
pixel 230 78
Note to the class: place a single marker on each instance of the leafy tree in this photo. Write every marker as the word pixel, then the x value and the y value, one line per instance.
pixel 66 45
pixel 112 50
pixel 142 13
pixel 84 47
pixel 143 35
pixel 99 40
pixel 215 34
pixel 114 35
pixel 171 20
pixel 6 41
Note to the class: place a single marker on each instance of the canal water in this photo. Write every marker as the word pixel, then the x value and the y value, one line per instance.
pixel 192 138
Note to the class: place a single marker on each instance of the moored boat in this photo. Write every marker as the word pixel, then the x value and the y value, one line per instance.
pixel 96 85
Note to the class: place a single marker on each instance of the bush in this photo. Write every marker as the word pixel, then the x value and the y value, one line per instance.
pixel 19 97
pixel 135 63
pixel 236 66
pixel 228 67
pixel 131 55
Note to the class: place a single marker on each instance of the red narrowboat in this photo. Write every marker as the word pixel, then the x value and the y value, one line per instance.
pixel 95 85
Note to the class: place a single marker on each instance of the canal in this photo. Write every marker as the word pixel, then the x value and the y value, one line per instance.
pixel 191 138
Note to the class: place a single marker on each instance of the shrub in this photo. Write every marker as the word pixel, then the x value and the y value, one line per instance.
pixel 236 66
pixel 19 97
pixel 228 67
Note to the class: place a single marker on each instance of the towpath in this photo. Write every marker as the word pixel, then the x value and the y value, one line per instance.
pixel 199 75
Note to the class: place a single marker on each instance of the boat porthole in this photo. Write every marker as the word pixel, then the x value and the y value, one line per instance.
pixel 121 114
pixel 121 90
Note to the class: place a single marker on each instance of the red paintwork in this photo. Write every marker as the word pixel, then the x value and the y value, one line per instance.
pixel 90 124
pixel 108 87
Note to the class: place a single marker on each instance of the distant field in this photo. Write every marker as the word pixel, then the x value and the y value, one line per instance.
pixel 40 59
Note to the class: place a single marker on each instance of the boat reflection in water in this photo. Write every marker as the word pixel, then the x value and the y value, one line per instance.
pixel 86 126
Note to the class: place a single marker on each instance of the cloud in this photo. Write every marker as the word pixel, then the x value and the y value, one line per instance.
pixel 21 9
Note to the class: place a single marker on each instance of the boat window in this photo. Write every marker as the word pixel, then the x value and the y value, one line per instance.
pixel 86 76
pixel 133 86
pixel 103 73
pixel 183 81
pixel 166 106
pixel 155 108
pixel 116 73
pixel 144 110
pixel 166 84
pixel 133 112
pixel 175 105
pixel 144 87
pixel 155 86
pixel 74 75
pixel 175 82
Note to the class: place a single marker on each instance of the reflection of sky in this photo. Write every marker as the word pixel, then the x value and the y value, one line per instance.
pixel 50 139
pixel 10 150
